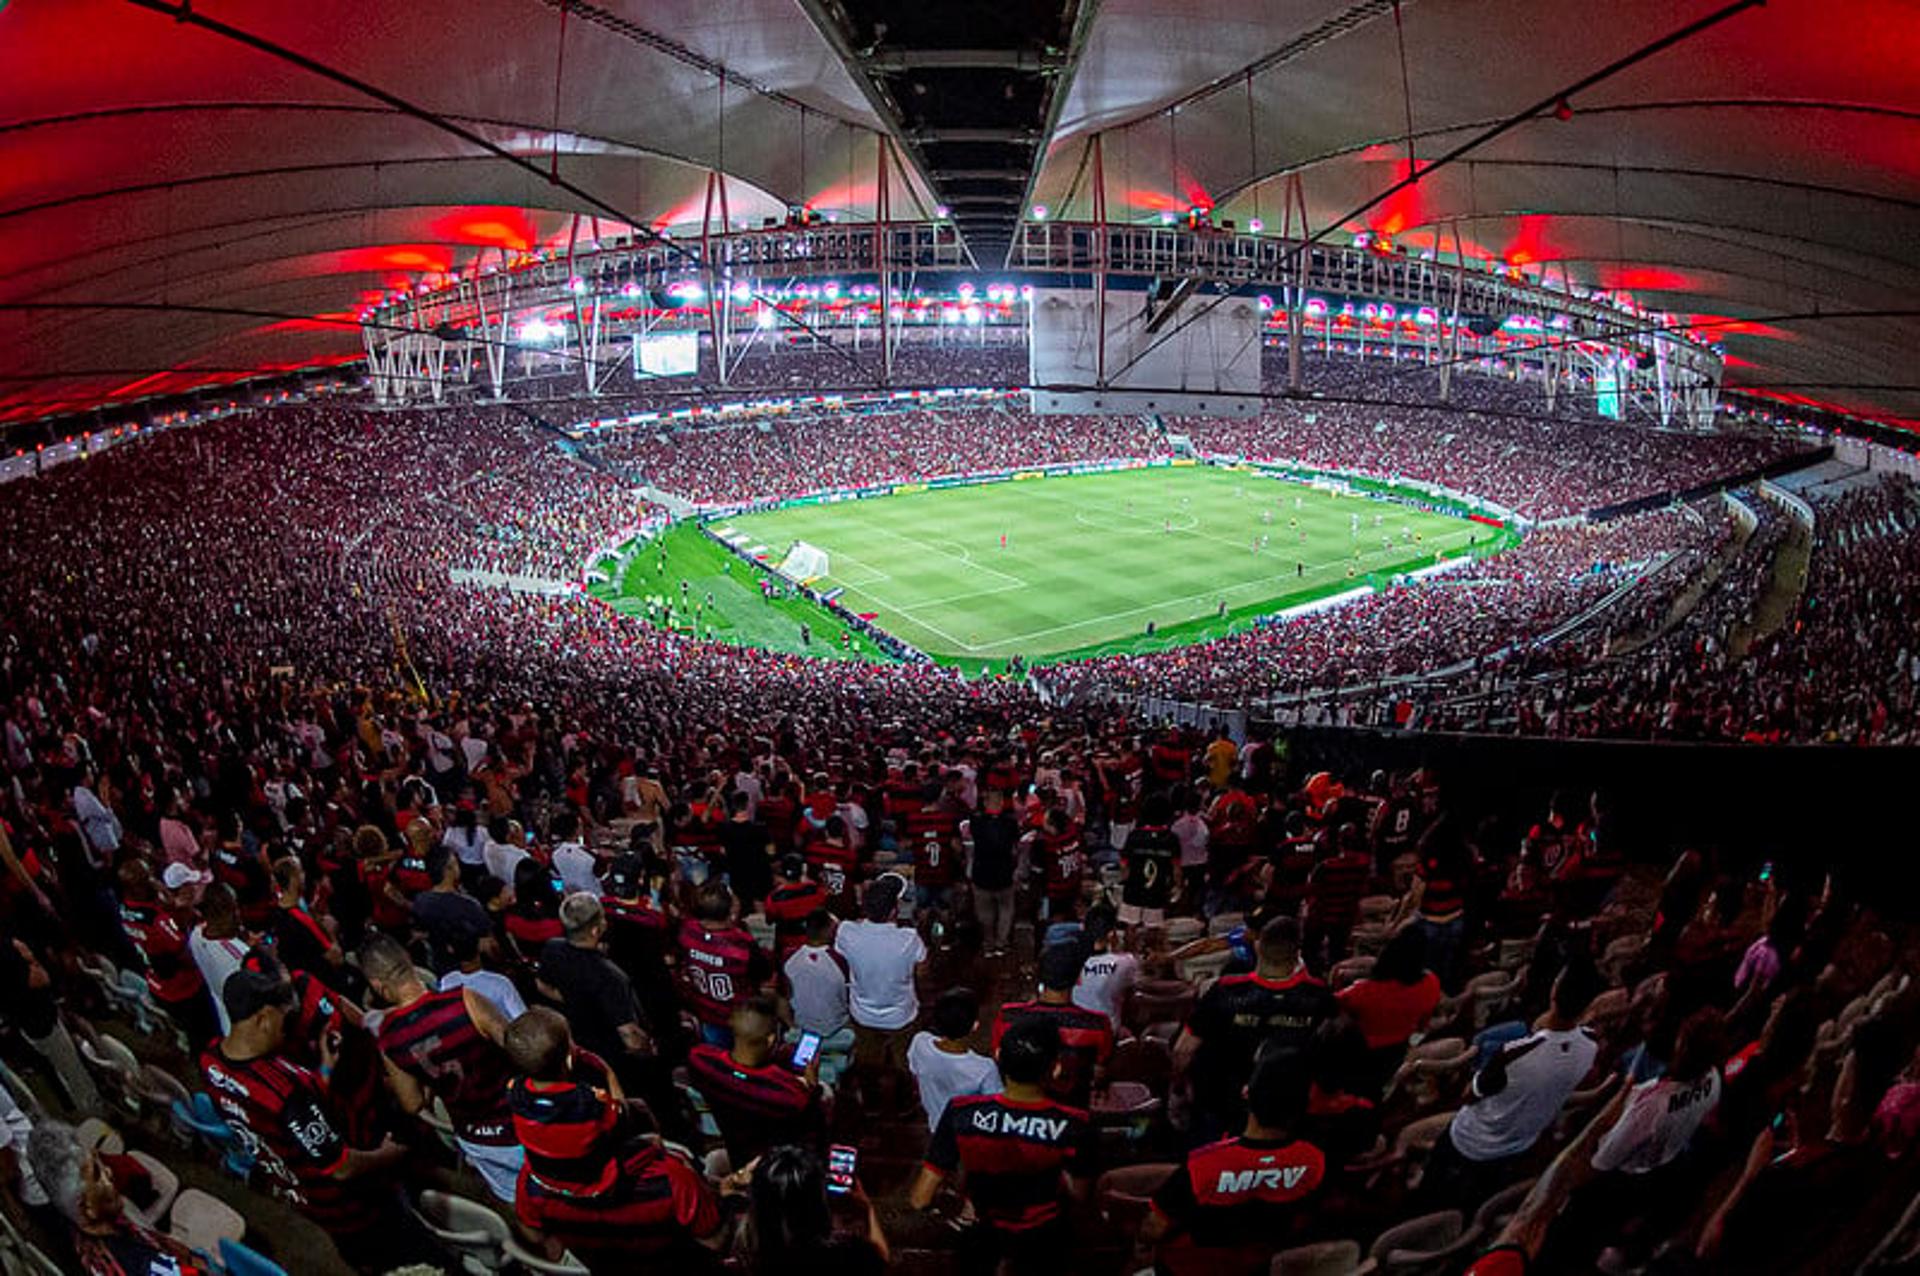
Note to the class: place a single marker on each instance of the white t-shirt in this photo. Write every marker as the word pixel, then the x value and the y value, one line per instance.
pixel 817 981
pixel 468 845
pixel 1104 981
pixel 881 957
pixel 1542 1070
pixel 1194 835
pixel 576 865
pixel 216 958
pixel 492 985
pixel 502 860
pixel 1658 1123
pixel 943 1077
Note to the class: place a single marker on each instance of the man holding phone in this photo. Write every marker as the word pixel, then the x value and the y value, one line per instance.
pixel 758 1100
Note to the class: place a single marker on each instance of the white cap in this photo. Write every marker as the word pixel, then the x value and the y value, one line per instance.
pixel 179 875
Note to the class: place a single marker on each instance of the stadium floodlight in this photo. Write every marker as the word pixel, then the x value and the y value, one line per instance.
pixel 577 284
pixel 973 314
pixel 630 289
pixel 1256 225
pixel 765 318
pixel 1039 212
pixel 942 211
pixel 538 332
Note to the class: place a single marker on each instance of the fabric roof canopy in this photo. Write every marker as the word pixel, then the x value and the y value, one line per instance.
pixel 1763 175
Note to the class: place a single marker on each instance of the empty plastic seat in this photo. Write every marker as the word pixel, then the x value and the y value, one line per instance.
pixel 166 1186
pixel 241 1261
pixel 1327 1258
pixel 527 1260
pixel 1416 1244
pixel 96 1135
pixel 1124 1195
pixel 200 1221
pixel 467 1228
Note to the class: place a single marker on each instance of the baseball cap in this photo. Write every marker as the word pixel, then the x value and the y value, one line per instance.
pixel 178 876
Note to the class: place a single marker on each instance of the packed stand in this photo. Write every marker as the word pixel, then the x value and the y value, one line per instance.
pixel 737 464
pixel 1539 468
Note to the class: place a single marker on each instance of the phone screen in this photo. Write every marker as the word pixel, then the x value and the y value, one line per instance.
pixel 804 1052
pixel 841 1163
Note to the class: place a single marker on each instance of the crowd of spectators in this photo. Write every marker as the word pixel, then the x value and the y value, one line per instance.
pixel 1838 667
pixel 1539 467
pixel 1419 625
pixel 397 855
pixel 741 463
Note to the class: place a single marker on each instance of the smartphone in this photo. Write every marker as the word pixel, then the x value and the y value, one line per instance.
pixel 842 1160
pixel 1766 872
pixel 803 1053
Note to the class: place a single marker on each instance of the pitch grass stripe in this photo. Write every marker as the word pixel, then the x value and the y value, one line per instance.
pixel 933 567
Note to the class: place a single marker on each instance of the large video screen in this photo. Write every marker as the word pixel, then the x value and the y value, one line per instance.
pixel 668 354
pixel 1606 393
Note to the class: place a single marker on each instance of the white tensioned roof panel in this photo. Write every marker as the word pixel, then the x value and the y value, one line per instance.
pixel 1763 170
pixel 145 160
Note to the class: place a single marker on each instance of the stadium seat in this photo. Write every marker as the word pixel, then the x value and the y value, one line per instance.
pixel 200 1221
pixel 1225 923
pixel 1159 1000
pixel 1500 1207
pixel 241 1261
pixel 1143 1060
pixel 1348 971
pixel 96 1135
pixel 1415 1245
pixel 1203 970
pixel 166 1186
pixel 469 1229
pixel 1324 1258
pixel 1488 995
pixel 1124 1195
pixel 1184 930
pixel 527 1261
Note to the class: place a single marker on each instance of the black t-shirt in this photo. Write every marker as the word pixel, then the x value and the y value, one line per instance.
pixel 1153 858
pixel 445 916
pixel 31 1010
pixel 596 996
pixel 994 840
pixel 748 867
pixel 1238 1015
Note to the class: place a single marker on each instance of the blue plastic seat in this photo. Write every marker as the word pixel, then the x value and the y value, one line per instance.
pixel 241 1261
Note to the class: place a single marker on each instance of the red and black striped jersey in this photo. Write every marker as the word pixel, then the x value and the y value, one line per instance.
pixel 281 1114
pixel 832 866
pixel 787 908
pixel 434 1040
pixel 1064 858
pixel 1444 895
pixel 657 1209
pixel 1015 1154
pixel 1234 1202
pixel 720 966
pixel 1336 887
pixel 1168 761
pixel 1086 1043
pixel 572 1133
pixel 157 933
pixel 755 1108
pixel 932 834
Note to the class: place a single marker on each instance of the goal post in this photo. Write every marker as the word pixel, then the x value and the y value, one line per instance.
pixel 804 563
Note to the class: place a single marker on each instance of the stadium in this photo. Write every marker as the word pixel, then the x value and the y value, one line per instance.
pixel 1088 636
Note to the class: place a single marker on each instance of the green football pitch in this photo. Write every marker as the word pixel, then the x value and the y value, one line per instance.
pixel 1089 561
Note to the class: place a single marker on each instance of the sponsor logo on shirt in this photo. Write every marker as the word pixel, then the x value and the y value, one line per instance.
pixel 1031 1125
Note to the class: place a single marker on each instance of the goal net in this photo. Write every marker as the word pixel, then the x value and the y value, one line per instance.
pixel 804 563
